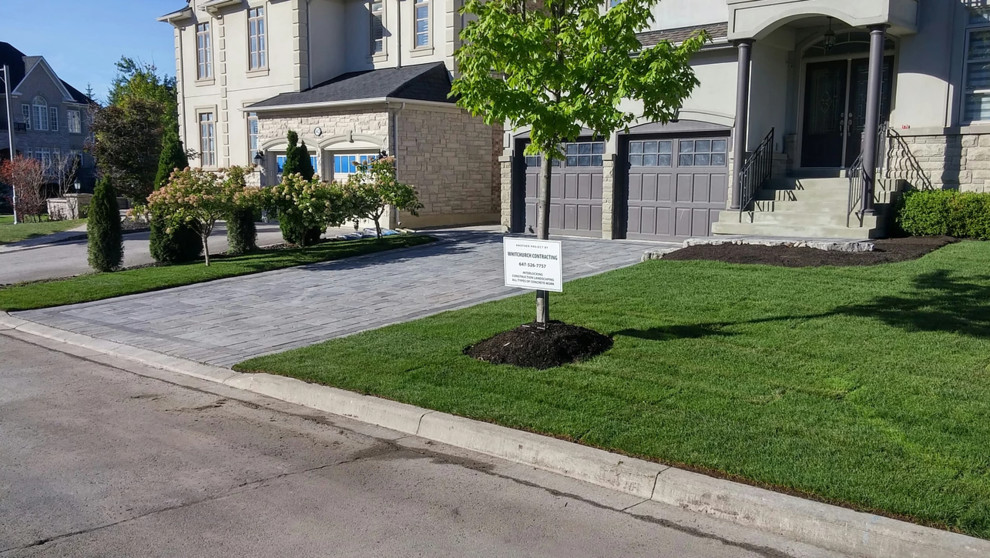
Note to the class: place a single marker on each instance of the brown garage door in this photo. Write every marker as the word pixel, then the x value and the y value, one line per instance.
pixel 575 191
pixel 675 186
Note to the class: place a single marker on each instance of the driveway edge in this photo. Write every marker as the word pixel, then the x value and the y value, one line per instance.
pixel 822 525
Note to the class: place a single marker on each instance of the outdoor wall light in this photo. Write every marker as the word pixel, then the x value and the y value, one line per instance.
pixel 259 158
pixel 829 37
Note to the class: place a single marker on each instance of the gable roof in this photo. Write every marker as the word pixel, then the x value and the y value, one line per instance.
pixel 718 32
pixel 422 82
pixel 21 65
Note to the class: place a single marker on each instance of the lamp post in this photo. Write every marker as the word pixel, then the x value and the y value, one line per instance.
pixel 10 131
pixel 259 161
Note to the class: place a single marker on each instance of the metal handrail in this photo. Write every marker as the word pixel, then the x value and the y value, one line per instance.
pixel 855 175
pixel 755 173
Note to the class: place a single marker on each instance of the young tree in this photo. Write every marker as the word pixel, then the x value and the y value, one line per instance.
pixel 106 243
pixel 26 177
pixel 199 198
pixel 306 207
pixel 63 169
pixel 558 65
pixel 374 187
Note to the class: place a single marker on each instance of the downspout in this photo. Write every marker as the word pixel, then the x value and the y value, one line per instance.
pixel 309 45
pixel 393 148
pixel 180 90
pixel 398 33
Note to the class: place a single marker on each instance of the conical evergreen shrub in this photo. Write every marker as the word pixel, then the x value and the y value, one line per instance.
pixel 183 243
pixel 106 244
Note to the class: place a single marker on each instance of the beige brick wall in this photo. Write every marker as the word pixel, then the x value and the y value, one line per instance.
pixel 362 122
pixel 505 192
pixel 448 156
pixel 959 161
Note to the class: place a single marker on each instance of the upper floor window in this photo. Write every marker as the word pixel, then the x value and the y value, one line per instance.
pixel 376 8
pixel 53 118
pixel 26 114
pixel 39 108
pixel 204 52
pixel 207 139
pixel 256 39
pixel 74 121
pixel 422 20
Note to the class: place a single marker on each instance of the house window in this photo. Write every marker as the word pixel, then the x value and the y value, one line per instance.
pixel 45 156
pixel 207 140
pixel 26 113
pixel 651 153
pixel 346 164
pixel 256 39
pixel 702 153
pixel 377 26
pixel 252 118
pixel 72 117
pixel 53 118
pixel 40 111
pixel 422 20
pixel 204 52
pixel 584 154
pixel 977 83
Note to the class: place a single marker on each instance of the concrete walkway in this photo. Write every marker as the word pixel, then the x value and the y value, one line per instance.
pixel 228 321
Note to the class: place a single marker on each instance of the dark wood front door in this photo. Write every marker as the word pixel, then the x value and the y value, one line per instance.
pixel 835 110
pixel 824 114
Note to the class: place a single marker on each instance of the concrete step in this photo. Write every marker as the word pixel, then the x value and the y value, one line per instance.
pixel 818 196
pixel 799 218
pixel 794 230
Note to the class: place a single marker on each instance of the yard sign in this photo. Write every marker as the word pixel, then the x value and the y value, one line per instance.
pixel 533 264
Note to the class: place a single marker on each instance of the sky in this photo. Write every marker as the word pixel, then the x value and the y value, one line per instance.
pixel 83 39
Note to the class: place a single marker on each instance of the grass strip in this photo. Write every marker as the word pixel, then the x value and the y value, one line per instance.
pixel 9 232
pixel 867 387
pixel 99 286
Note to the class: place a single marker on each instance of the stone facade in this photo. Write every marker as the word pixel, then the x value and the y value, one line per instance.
pixel 442 151
pixel 448 156
pixel 505 171
pixel 940 161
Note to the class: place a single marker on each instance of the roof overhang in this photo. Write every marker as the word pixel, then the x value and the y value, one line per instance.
pixel 349 103
pixel 213 6
pixel 756 19
pixel 177 16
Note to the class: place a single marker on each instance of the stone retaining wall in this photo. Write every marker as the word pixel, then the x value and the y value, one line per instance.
pixel 940 161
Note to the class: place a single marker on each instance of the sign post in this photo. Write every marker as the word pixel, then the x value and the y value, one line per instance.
pixel 533 264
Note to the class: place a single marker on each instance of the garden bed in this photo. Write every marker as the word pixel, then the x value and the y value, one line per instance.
pixel 888 250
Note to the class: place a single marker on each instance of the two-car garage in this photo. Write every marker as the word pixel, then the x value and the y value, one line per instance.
pixel 670 183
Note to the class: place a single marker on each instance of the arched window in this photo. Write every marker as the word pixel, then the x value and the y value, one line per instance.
pixel 39 110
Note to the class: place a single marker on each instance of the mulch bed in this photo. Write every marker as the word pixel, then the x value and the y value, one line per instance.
pixel 535 346
pixel 885 251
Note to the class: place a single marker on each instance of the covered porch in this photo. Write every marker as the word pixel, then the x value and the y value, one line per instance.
pixel 815 84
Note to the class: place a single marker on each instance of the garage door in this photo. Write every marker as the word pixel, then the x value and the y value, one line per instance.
pixel 575 191
pixel 675 186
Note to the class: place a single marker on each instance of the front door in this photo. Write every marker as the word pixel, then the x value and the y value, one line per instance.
pixel 835 110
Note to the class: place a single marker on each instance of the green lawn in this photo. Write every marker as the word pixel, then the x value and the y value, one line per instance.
pixel 867 386
pixel 98 286
pixel 9 232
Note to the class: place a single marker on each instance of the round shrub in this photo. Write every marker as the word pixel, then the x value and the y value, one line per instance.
pixel 242 235
pixel 181 245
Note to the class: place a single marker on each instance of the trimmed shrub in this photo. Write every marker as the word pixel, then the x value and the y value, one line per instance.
pixel 181 245
pixel 306 207
pixel 242 235
pixel 173 157
pixel 945 212
pixel 106 243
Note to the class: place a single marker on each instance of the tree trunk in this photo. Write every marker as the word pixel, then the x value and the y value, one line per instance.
pixel 378 226
pixel 543 232
pixel 206 247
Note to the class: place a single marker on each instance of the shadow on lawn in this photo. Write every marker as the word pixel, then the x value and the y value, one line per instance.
pixel 938 302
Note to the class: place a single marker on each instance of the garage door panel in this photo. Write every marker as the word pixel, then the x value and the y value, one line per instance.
pixel 677 190
pixel 584 187
pixel 576 191
pixel 583 217
pixel 597 191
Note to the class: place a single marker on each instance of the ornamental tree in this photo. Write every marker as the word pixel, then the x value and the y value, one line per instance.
pixel 199 199
pixel 306 207
pixel 558 65
pixel 25 176
pixel 374 188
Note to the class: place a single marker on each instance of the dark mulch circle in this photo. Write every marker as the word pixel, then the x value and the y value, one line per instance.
pixel 885 251
pixel 535 346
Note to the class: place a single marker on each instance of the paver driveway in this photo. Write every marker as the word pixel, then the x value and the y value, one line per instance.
pixel 227 321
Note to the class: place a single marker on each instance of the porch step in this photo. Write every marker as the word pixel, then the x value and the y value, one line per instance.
pixel 793 230
pixel 822 217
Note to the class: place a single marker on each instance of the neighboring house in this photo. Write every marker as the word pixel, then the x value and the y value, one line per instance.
pixel 50 118
pixel 352 78
pixel 806 65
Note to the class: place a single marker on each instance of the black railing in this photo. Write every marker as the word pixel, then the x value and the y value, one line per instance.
pixel 755 173
pixel 855 175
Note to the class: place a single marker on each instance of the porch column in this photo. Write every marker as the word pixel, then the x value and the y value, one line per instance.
pixel 872 125
pixel 745 48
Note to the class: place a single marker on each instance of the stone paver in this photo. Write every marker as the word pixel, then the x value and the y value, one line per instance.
pixel 227 321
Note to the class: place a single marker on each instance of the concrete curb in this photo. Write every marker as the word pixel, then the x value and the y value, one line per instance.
pixel 822 525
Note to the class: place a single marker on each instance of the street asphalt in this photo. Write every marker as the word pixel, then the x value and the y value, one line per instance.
pixel 103 458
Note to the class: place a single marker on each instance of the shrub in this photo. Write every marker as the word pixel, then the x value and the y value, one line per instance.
pixel 173 157
pixel 374 187
pixel 179 244
pixel 945 212
pixel 306 207
pixel 242 235
pixel 106 244
pixel 26 177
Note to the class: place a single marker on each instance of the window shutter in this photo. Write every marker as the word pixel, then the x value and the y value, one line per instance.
pixel 53 118
pixel 26 113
